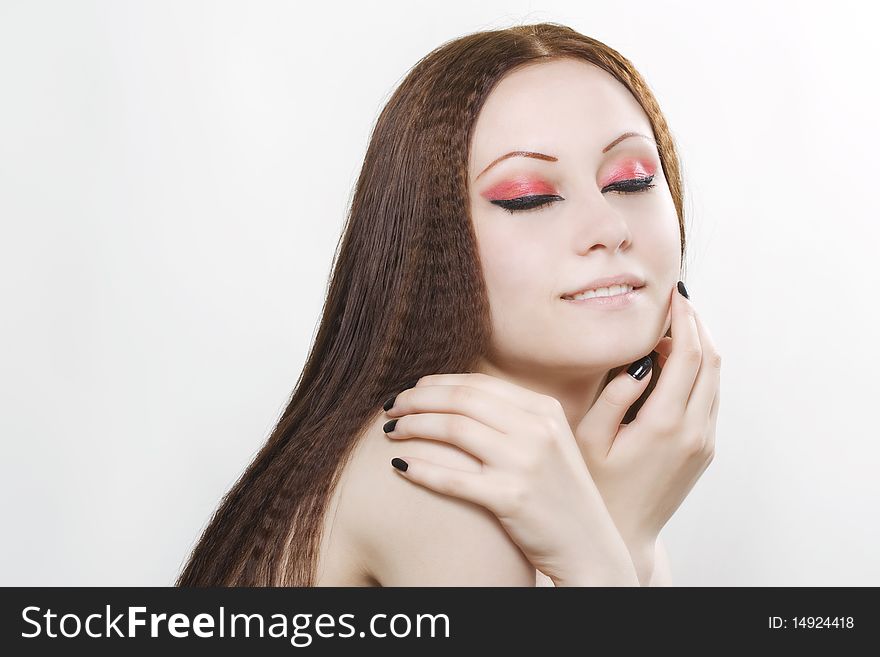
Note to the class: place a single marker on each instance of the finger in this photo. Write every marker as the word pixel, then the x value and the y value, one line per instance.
pixel 526 399
pixel 473 437
pixel 474 402
pixel 699 404
pixel 596 431
pixel 471 486
pixel 675 383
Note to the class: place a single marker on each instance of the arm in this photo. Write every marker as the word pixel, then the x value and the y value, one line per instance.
pixel 662 575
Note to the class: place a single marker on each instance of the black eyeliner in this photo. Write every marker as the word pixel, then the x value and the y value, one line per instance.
pixel 526 202
pixel 536 201
pixel 634 185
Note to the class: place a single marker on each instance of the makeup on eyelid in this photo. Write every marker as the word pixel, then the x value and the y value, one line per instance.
pixel 518 187
pixel 631 169
pixel 525 186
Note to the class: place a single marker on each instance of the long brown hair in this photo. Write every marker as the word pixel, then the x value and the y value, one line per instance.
pixel 406 298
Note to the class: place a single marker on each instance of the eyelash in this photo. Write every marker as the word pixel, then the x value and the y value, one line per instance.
pixel 523 203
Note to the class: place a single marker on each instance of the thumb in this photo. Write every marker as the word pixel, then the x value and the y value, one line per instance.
pixel 597 430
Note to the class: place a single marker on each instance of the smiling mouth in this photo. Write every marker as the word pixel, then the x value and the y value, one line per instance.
pixel 602 292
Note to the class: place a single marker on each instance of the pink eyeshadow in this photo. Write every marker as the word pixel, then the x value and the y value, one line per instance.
pixel 630 170
pixel 519 187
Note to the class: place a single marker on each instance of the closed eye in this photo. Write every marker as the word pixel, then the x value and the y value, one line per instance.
pixel 533 202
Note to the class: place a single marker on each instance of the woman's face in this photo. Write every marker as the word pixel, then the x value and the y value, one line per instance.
pixel 569 111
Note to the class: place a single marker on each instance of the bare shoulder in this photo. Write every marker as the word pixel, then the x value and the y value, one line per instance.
pixel 404 534
pixel 341 562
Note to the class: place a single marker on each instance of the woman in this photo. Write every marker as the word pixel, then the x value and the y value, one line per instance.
pixel 510 171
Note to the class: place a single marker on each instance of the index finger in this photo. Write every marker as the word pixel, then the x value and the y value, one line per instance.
pixel 680 371
pixel 526 399
pixel 474 402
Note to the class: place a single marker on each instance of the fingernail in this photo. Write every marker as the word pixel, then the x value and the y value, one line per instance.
pixel 640 368
pixel 400 464
pixel 390 401
pixel 389 425
pixel 683 290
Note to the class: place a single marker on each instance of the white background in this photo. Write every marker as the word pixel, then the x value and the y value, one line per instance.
pixel 174 177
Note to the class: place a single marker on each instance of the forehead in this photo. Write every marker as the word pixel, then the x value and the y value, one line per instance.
pixel 562 106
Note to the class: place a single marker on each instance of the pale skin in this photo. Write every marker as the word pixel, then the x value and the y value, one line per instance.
pixel 522 465
pixel 628 479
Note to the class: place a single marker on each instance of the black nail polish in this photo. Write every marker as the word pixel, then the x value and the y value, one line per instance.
pixel 389 425
pixel 683 290
pixel 400 464
pixel 640 368
pixel 390 401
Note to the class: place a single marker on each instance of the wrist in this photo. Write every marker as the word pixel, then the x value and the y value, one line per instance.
pixel 607 566
pixel 623 574
pixel 642 552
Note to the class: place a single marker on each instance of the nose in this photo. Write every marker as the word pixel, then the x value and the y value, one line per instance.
pixel 600 226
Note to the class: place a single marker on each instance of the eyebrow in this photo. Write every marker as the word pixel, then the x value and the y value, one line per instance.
pixel 550 158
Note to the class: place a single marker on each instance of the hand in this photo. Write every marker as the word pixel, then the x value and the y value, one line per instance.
pixel 646 468
pixel 533 477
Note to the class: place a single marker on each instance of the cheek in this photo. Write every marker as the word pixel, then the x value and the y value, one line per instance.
pixel 513 265
pixel 660 240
